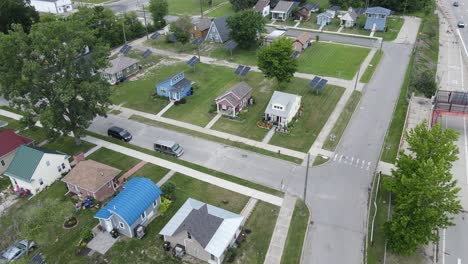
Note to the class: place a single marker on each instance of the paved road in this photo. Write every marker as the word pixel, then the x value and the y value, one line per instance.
pixel 124 6
pixel 332 37
pixel 455 240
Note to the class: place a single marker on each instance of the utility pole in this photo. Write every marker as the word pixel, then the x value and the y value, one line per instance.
pixel 305 184
pixel 201 9
pixel 357 77
pixel 144 16
pixel 123 29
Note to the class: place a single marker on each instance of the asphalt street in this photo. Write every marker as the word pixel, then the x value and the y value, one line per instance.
pixel 332 37
pixel 455 239
pixel 124 6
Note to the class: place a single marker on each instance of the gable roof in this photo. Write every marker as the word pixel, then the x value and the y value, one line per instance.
pixel 91 175
pixel 325 14
pixel 120 63
pixel 283 6
pixel 203 24
pixel 26 160
pixel 211 226
pixel 261 4
pixel 138 194
pixel 285 99
pixel 222 27
pixel 335 8
pixel 303 38
pixel 350 15
pixel 360 10
pixel 236 93
pixel 378 10
pixel 179 85
pixel 310 6
pixel 10 141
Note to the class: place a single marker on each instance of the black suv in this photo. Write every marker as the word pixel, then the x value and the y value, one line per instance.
pixel 119 133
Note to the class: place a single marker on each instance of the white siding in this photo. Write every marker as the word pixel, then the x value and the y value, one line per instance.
pixel 48 174
pixel 57 7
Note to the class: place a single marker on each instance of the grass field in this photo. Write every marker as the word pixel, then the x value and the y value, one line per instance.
pixel 190 7
pixel 239 55
pixel 342 122
pixel 151 171
pixel 114 159
pixel 365 78
pixel 224 10
pixel 296 233
pixel 262 223
pixel 394 25
pixel 333 60
pixel 67 145
pixel 317 109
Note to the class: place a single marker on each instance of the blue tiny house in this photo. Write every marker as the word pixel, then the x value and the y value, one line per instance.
pixel 175 87
pixel 376 18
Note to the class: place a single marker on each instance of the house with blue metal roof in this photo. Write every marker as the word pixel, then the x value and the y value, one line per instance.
pixel 34 168
pixel 175 88
pixel 376 18
pixel 135 205
pixel 205 231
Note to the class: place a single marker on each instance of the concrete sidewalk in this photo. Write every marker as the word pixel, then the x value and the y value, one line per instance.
pixel 278 239
pixel 269 198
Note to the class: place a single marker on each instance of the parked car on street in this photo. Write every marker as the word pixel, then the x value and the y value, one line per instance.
pixel 16 251
pixel 119 133
pixel 168 147
pixel 461 24
pixel 455 3
pixel 285 28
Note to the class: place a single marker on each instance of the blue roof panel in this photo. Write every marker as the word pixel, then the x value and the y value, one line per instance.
pixel 138 194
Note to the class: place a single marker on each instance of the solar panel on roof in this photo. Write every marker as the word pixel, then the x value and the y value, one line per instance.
pixel 231 45
pixel 146 53
pixel 245 71
pixel 155 35
pixel 127 49
pixel 124 47
pixel 321 84
pixel 239 69
pixel 36 259
pixel 315 81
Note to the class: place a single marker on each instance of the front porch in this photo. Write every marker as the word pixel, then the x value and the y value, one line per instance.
pixel 227 110
pixel 102 240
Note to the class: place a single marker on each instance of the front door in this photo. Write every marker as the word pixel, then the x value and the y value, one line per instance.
pixel 175 96
pixel 108 225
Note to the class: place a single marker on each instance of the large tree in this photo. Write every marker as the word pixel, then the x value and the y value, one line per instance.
pixel 181 29
pixel 17 12
pixel 51 75
pixel 242 4
pixel 248 25
pixel 276 60
pixel 159 9
pixel 424 190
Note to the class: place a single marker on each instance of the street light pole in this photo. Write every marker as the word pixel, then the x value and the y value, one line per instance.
pixel 305 184
pixel 144 16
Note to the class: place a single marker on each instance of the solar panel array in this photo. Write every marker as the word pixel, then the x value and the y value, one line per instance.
pixel 239 69
pixel 125 49
pixel 197 41
pixel 245 71
pixel 155 35
pixel 314 81
pixel 231 45
pixel 37 259
pixel 194 60
pixel 146 53
pixel 321 84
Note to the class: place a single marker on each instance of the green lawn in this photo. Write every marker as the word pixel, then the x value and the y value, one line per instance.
pixel 12 124
pixel 239 55
pixel 262 223
pixel 216 139
pixel 311 22
pixel 4 182
pixel 190 7
pixel 359 28
pixel 317 109
pixel 224 10
pixel 149 249
pixel 342 122
pixel 296 234
pixel 319 160
pixel 333 60
pixel 210 82
pixel 67 145
pixel 334 26
pixel 365 78
pixel 162 43
pixel 394 25
pixel 375 249
pixel 114 159
pixel 194 166
pixel 36 133
pixel 151 171
pixel 56 244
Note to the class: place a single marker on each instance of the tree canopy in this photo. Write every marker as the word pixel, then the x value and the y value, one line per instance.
pixel 424 190
pixel 276 60
pixel 50 75
pixel 248 25
pixel 394 5
pixel 181 29
pixel 17 12
pixel 242 4
pixel 159 9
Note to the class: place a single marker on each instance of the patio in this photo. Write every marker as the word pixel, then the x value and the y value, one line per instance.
pixel 102 241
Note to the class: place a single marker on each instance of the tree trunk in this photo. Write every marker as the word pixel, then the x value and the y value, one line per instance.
pixel 77 138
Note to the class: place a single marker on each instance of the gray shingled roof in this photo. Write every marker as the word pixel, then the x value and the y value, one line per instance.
pixel 223 29
pixel 378 10
pixel 120 63
pixel 352 14
pixel 260 5
pixel 180 85
pixel 283 6
pixel 239 90
pixel 326 14
pixel 203 24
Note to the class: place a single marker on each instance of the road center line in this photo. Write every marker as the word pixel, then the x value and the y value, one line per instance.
pixel 463 42
pixel 443 246
pixel 461 71
pixel 466 148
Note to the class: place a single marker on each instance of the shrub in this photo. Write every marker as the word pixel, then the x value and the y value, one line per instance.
pixel 213 109
pixel 168 189
pixel 165 203
pixel 86 234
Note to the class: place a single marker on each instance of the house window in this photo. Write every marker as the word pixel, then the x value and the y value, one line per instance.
pixel 2 162
pixel 41 182
pixel 47 163
pixel 189 235
pixel 212 257
pixel 121 225
pixel 155 203
pixel 143 215
pixel 63 165
pixel 59 168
